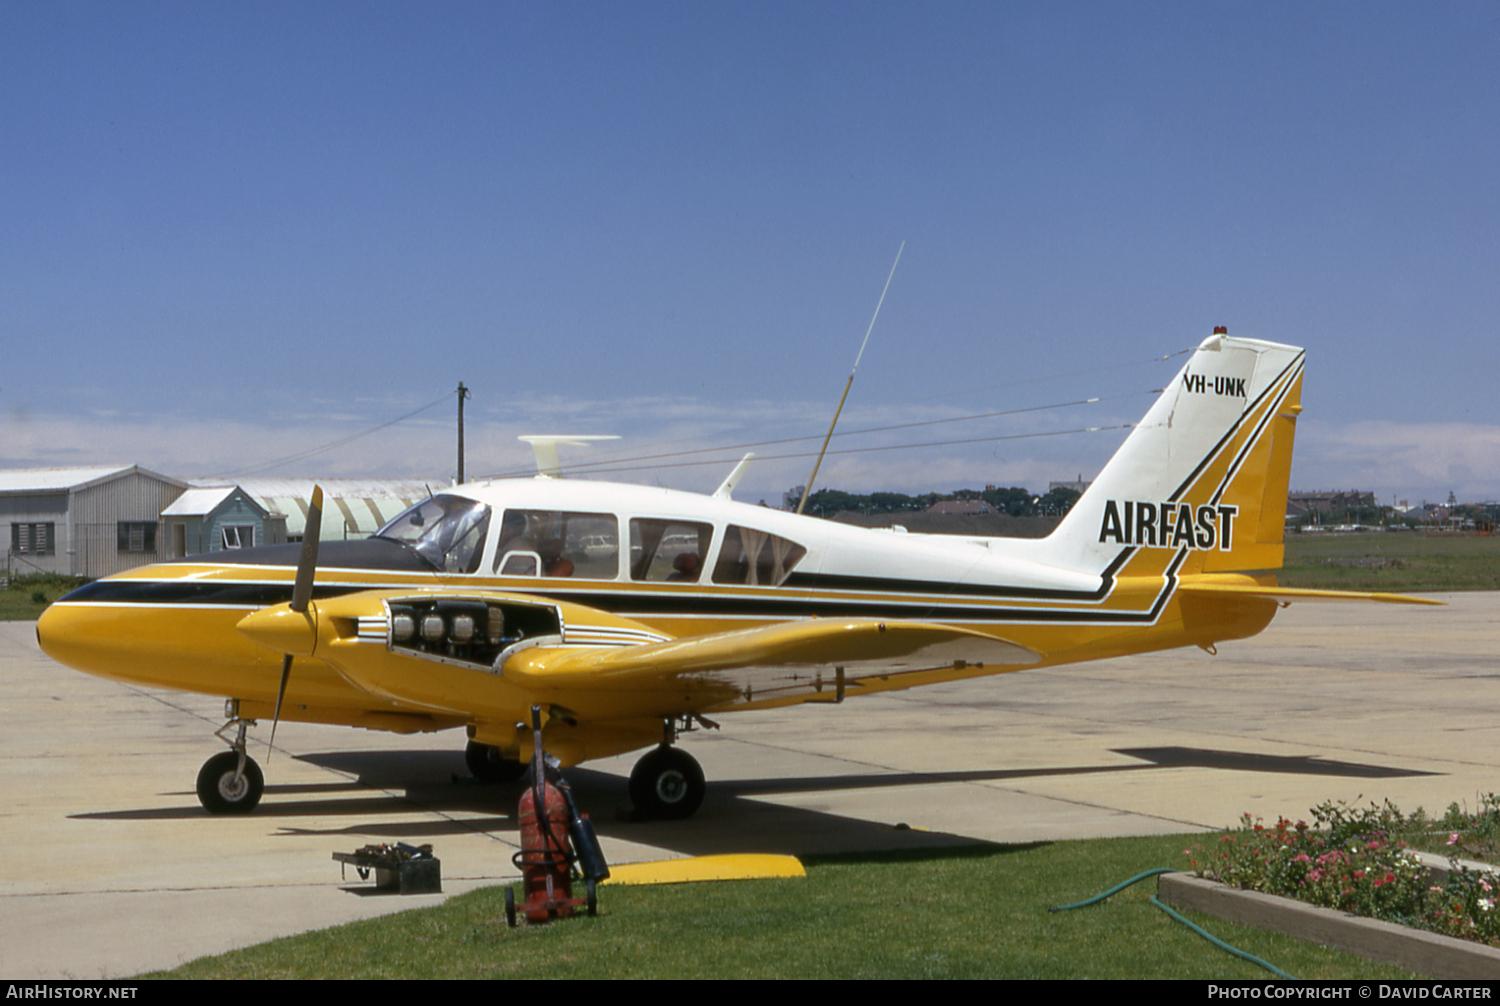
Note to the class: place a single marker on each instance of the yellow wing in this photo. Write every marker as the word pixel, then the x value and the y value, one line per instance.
pixel 771 658
pixel 600 665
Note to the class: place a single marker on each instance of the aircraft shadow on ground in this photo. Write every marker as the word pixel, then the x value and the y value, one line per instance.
pixel 733 818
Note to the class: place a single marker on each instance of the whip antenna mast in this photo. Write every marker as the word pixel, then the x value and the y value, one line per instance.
pixel 849 383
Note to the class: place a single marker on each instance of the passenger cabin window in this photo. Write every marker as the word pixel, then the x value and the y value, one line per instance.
pixel 558 543
pixel 668 551
pixel 755 558
pixel 447 531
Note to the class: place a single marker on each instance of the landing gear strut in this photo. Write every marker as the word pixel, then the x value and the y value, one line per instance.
pixel 230 782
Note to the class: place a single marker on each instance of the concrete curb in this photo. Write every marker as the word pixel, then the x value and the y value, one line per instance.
pixel 1426 953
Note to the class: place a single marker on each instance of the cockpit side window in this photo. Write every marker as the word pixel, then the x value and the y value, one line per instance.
pixel 668 551
pixel 756 558
pixel 447 531
pixel 558 543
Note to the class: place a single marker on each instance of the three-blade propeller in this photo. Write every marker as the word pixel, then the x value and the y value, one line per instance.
pixel 302 588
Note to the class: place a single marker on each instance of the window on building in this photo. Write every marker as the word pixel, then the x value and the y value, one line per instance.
pixel 137 536
pixel 238 535
pixel 32 539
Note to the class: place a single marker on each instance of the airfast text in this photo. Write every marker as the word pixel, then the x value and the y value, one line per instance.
pixel 1168 525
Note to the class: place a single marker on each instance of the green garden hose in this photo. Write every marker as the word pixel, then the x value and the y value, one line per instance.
pixel 1195 928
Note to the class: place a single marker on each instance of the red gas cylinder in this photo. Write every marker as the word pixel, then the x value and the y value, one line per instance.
pixel 546 855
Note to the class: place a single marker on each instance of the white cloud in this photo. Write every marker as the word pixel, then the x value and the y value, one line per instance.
pixel 1411 461
pixel 691 444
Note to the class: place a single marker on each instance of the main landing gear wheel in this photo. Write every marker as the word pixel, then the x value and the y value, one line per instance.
pixel 223 789
pixel 487 764
pixel 510 907
pixel 667 783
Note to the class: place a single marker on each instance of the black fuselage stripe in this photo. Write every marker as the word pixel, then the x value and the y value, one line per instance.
pixel 263 594
pixel 938 605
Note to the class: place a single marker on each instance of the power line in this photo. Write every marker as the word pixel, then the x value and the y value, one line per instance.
pixel 850 450
pixel 256 469
pixel 636 463
pixel 608 457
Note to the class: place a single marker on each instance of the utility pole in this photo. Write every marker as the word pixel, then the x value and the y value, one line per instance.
pixel 463 393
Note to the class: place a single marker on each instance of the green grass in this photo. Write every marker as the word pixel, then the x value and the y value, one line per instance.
pixel 29 594
pixel 1391 561
pixel 972 913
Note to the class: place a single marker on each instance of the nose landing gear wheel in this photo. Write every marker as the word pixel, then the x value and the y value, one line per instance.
pixel 667 783
pixel 487 764
pixel 223 789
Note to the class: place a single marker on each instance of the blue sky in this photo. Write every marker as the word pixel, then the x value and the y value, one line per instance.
pixel 234 232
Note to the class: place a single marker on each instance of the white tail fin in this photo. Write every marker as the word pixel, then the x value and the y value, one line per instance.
pixel 1201 483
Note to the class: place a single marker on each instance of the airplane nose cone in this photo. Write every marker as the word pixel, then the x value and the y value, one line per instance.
pixel 88 639
pixel 183 647
pixel 47 632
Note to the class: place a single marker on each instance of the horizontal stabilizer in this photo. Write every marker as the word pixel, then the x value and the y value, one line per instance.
pixel 1289 594
pixel 860 648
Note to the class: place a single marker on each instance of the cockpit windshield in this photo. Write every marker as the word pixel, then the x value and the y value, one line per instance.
pixel 447 531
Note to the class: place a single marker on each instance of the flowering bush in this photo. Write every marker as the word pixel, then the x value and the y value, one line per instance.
pixel 1354 861
pixel 1476 835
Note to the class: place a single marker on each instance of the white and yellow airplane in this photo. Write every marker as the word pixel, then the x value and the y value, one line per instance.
pixel 629 613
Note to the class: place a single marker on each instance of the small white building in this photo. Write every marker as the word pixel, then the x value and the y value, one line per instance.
pixel 220 517
pixel 99 520
pixel 89 521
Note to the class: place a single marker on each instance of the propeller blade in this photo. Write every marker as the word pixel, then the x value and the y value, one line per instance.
pixel 286 674
pixel 302 589
pixel 307 563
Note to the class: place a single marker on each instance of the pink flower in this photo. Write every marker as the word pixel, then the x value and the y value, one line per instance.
pixel 1453 838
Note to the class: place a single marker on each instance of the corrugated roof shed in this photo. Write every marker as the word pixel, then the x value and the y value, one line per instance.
pixel 34 480
pixel 352 508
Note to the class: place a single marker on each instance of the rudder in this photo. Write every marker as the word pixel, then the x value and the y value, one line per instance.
pixel 1206 472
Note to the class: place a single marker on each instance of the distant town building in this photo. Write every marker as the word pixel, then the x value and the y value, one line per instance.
pixel 1080 487
pixel 1326 501
pixel 963 507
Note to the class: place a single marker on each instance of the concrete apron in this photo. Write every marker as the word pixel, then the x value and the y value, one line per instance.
pixel 114 868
